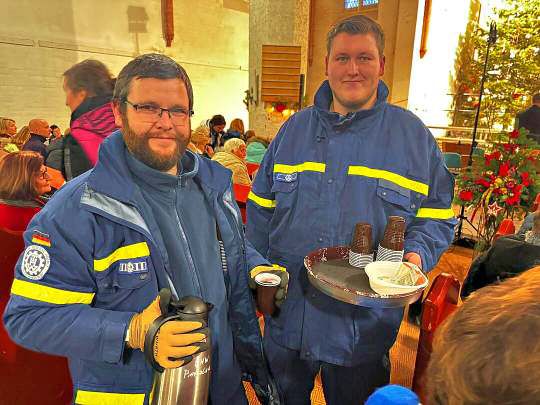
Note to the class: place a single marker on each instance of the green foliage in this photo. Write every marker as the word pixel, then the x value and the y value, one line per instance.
pixel 513 67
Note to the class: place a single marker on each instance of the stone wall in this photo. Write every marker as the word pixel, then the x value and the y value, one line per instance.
pixel 276 22
pixel 39 40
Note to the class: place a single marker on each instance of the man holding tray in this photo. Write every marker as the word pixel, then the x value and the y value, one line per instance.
pixel 349 158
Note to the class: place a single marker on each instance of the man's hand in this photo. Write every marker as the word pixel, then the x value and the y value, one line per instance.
pixel 413 258
pixel 173 342
pixel 281 293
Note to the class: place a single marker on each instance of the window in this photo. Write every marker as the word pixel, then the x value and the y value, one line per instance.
pixel 356 3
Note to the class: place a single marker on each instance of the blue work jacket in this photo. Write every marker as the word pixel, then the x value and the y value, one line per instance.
pixel 93 259
pixel 321 175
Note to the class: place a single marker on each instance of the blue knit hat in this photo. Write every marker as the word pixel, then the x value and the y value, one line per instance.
pixel 393 395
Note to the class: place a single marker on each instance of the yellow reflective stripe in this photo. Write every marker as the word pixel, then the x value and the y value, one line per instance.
pixel 125 252
pixel 107 398
pixel 263 202
pixel 51 295
pixel 393 177
pixel 278 267
pixel 435 213
pixel 306 166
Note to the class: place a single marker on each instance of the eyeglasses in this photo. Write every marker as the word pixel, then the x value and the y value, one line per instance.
pixel 152 113
pixel 44 175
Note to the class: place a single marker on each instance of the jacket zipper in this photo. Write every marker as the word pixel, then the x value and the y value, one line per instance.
pixel 189 257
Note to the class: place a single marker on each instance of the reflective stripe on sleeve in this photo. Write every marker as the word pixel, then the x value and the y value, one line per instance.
pixel 263 202
pixel 302 167
pixel 393 177
pixel 125 252
pixel 107 398
pixel 435 213
pixel 51 295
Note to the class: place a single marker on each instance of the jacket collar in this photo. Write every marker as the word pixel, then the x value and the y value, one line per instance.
pixel 89 104
pixel 323 100
pixel 112 176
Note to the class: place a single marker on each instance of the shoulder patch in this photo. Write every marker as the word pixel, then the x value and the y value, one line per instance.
pixel 35 262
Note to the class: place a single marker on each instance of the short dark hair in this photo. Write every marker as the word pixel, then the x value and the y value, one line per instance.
pixel 53 126
pixel 217 120
pixel 90 75
pixel 356 24
pixel 488 349
pixel 150 65
pixel 536 98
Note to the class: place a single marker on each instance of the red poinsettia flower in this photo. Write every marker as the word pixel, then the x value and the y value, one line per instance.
pixel 513 200
pixel 466 195
pixel 483 182
pixel 503 169
pixel 280 107
pixel 490 156
pixel 510 147
pixel 525 180
pixel 518 188
pixel 514 134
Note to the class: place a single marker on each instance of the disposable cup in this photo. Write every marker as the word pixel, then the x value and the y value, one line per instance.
pixel 267 286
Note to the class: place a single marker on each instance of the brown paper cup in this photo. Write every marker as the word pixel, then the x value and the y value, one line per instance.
pixel 394 234
pixel 267 286
pixel 361 242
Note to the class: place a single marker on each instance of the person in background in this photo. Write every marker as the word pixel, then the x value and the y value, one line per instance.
pixel 488 351
pixel 233 157
pixel 530 119
pixel 88 86
pixel 236 130
pixel 217 125
pixel 39 134
pixel 256 147
pixel 56 133
pixel 23 182
pixel 351 157
pixel 22 137
pixel 8 129
pixel 199 142
pixel 150 215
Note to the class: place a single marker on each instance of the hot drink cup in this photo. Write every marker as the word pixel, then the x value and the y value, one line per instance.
pixel 267 286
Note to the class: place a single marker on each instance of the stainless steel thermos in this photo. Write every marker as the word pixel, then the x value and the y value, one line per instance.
pixel 188 384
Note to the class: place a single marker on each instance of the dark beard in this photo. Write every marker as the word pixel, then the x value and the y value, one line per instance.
pixel 139 147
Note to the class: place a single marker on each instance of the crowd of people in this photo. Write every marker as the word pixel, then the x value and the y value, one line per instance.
pixel 149 205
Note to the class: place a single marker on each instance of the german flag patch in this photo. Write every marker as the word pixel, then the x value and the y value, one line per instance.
pixel 41 239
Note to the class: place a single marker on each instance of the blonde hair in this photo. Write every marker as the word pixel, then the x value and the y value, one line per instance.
pixel 237 125
pixel 22 136
pixel 200 134
pixel 233 144
pixel 487 351
pixel 3 125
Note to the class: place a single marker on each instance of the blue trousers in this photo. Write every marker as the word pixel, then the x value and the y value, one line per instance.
pixel 295 377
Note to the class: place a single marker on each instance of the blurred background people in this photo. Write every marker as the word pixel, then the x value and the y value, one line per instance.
pixel 233 157
pixel 8 129
pixel 530 119
pixel 56 132
pixel 200 142
pixel 217 125
pixel 256 147
pixel 487 352
pixel 236 130
pixel 23 182
pixel 39 133
pixel 88 86
pixel 499 262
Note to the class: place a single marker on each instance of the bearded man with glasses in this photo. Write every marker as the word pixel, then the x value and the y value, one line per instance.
pixel 150 215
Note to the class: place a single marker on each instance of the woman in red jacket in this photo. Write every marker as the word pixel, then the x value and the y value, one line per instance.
pixel 23 180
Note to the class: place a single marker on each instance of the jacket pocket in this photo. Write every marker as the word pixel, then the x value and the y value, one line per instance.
pixel 284 186
pixel 397 200
pixel 114 280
